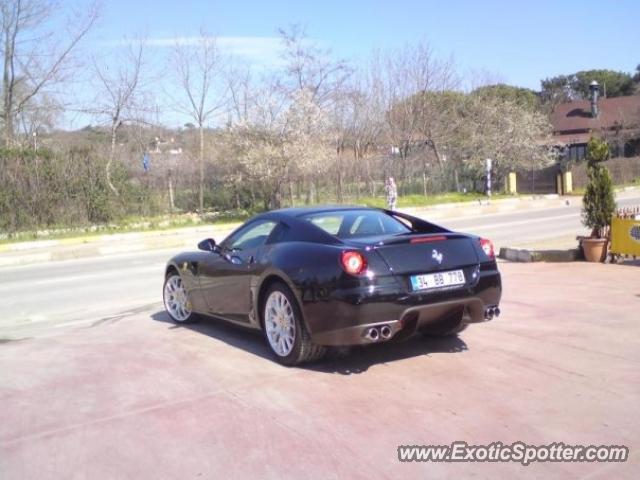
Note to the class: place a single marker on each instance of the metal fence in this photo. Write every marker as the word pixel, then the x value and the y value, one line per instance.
pixel 541 181
pixel 622 170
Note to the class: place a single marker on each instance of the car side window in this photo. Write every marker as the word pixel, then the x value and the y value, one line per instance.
pixel 366 225
pixel 252 236
pixel 329 223
pixel 278 234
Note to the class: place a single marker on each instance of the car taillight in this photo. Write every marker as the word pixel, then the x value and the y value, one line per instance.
pixel 487 247
pixel 353 262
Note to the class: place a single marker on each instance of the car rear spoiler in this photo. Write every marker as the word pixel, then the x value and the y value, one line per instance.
pixel 419 225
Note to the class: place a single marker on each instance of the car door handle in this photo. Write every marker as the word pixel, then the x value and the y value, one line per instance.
pixel 251 260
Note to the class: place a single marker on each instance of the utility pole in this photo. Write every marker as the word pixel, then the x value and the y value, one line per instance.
pixel 489 177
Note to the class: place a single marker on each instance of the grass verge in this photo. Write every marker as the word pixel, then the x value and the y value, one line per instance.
pixel 185 220
pixel 129 225
pixel 422 201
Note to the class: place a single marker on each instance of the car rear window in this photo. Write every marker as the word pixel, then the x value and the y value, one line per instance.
pixel 357 223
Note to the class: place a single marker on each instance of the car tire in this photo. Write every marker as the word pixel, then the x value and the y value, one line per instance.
pixel 176 300
pixel 284 328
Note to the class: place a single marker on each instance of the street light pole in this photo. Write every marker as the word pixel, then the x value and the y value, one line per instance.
pixel 489 177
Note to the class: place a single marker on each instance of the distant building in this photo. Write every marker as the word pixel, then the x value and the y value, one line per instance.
pixel 617 120
pixel 166 146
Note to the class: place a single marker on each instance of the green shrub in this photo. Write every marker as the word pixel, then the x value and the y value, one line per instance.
pixel 598 203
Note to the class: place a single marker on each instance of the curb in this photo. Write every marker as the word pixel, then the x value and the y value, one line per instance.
pixel 472 209
pixel 524 255
pixel 132 243
pixel 483 202
pixel 120 237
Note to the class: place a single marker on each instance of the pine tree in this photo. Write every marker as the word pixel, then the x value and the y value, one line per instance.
pixel 598 203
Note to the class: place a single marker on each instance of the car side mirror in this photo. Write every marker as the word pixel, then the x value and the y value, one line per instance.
pixel 208 245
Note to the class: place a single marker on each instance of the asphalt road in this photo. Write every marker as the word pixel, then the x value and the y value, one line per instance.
pixel 41 299
pixel 518 228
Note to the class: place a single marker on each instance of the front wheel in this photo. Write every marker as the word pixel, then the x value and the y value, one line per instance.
pixel 285 330
pixel 176 300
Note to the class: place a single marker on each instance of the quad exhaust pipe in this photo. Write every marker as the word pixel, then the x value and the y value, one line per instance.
pixel 385 332
pixel 379 333
pixel 491 312
pixel 373 334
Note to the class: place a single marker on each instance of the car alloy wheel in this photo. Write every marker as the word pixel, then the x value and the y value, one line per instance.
pixel 280 324
pixel 285 329
pixel 176 300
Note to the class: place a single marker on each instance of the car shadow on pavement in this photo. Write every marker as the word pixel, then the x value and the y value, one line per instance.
pixel 237 336
pixel 344 361
pixel 359 359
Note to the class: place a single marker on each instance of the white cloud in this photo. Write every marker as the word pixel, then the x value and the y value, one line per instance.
pixel 257 49
pixel 251 46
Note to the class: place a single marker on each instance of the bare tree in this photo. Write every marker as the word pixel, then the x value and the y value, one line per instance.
pixel 199 70
pixel 282 138
pixel 476 78
pixel 514 136
pixel 118 97
pixel 36 55
pixel 341 129
pixel 357 126
pixel 410 80
pixel 311 68
pixel 241 92
pixel 310 71
pixel 38 117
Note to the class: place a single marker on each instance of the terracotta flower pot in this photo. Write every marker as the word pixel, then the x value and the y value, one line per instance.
pixel 595 249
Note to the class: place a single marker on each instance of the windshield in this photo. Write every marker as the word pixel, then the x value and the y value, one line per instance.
pixel 357 223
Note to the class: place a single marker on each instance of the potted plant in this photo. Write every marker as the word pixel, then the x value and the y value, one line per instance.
pixel 598 203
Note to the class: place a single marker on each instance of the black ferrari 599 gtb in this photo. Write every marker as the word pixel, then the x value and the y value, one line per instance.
pixel 311 278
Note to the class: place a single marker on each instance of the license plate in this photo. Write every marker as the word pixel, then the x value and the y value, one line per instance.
pixel 437 280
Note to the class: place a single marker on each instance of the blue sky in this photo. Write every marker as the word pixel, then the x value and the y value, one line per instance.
pixel 521 42
pixel 515 42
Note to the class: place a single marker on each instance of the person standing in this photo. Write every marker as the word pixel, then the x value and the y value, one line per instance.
pixel 391 190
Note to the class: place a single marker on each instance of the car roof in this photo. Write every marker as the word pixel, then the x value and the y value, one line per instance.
pixel 301 211
pixel 314 233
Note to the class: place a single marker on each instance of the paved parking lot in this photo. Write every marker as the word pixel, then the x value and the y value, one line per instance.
pixel 137 397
